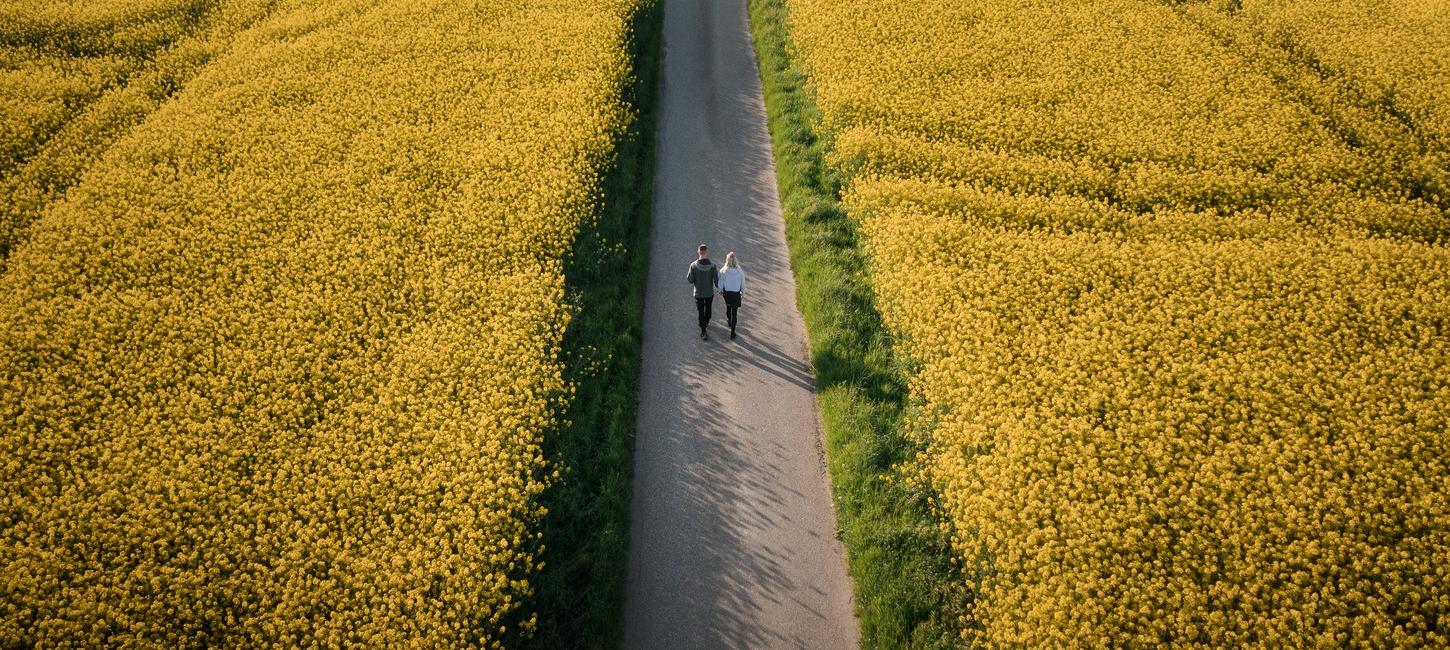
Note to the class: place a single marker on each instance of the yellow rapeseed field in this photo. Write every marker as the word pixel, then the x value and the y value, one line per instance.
pixel 76 76
pixel 1394 49
pixel 275 370
pixel 58 55
pixel 1175 331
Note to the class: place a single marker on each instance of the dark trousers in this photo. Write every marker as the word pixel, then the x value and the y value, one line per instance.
pixel 703 305
pixel 732 307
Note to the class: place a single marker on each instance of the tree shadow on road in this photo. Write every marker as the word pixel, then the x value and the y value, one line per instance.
pixel 731 499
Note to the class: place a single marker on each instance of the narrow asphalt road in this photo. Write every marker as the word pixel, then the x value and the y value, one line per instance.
pixel 733 536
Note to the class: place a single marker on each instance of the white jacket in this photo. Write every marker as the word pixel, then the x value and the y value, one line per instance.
pixel 731 279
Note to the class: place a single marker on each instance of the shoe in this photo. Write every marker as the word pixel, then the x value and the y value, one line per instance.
pixel 732 336
pixel 704 336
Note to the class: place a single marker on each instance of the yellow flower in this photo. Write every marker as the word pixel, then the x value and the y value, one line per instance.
pixel 277 366
pixel 1173 300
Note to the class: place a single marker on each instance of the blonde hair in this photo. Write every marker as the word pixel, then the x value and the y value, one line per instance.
pixel 730 262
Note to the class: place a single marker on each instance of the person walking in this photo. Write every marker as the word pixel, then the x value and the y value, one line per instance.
pixel 732 284
pixel 703 277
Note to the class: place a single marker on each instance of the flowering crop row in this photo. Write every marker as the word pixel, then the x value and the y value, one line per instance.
pixel 276 370
pixel 43 93
pixel 1176 334
pixel 1115 100
pixel 65 108
pixel 1373 72
pixel 58 56
pixel 124 27
pixel 1396 48
pixel 1144 440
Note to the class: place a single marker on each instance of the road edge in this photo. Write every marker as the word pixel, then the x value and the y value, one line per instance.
pixel 580 591
pixel 908 589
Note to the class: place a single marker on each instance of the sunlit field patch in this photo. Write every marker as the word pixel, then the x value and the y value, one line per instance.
pixel 1172 304
pixel 276 369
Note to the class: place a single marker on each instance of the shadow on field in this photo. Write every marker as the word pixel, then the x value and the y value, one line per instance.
pixel 579 594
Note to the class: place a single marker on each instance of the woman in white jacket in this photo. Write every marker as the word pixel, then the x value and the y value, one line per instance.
pixel 731 284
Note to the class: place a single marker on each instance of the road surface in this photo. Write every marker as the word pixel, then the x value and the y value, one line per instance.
pixel 732 535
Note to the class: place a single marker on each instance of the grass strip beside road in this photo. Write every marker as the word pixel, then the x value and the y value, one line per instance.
pixel 580 594
pixel 908 591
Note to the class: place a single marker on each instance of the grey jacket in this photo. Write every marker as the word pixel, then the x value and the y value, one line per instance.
pixel 703 274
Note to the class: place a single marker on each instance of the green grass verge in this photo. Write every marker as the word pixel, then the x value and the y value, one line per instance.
pixel 908 592
pixel 579 594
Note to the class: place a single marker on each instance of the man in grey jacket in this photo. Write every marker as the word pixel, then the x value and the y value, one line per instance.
pixel 703 276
